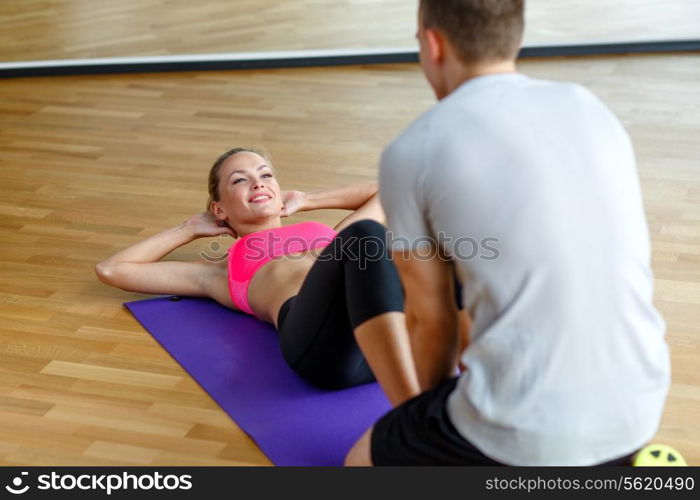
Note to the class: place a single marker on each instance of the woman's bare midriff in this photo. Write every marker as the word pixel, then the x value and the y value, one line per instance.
pixel 277 281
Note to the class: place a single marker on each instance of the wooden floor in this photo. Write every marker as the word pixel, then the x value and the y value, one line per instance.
pixel 68 29
pixel 91 164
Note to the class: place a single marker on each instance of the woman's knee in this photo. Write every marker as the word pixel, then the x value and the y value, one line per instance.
pixel 364 228
pixel 363 241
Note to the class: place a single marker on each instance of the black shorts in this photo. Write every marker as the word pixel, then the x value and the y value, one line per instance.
pixel 419 432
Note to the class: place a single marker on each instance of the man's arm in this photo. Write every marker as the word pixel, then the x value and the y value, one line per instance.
pixel 431 315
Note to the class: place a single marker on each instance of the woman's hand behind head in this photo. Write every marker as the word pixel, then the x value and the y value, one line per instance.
pixel 206 224
pixel 293 201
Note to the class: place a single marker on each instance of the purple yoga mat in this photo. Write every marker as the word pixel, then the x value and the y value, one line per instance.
pixel 237 360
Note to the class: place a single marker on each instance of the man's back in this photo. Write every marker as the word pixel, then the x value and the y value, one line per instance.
pixel 567 363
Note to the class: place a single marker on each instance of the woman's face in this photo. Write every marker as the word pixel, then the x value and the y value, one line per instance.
pixel 248 190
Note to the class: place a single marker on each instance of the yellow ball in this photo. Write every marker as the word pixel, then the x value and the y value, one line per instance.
pixel 658 455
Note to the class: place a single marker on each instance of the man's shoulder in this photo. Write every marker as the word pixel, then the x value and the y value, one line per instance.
pixel 566 90
pixel 418 128
pixel 405 149
pixel 493 89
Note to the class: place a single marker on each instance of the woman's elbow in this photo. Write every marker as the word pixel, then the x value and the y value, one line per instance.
pixel 106 273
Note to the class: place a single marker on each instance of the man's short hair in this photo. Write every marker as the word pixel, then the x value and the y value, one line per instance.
pixel 479 30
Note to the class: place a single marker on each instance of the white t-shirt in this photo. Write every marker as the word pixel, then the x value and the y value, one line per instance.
pixel 567 363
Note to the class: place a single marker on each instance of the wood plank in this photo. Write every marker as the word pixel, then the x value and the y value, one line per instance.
pixel 118 418
pixel 103 374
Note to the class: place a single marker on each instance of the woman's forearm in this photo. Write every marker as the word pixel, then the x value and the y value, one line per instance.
pixel 154 248
pixel 349 197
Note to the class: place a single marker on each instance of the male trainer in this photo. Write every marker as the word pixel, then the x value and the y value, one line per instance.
pixel 567 363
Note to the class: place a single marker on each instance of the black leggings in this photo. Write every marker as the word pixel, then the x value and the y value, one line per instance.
pixel 352 281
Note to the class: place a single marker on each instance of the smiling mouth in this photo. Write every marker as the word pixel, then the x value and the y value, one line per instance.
pixel 261 198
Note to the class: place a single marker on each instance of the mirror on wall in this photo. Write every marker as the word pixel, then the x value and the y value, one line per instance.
pixel 82 29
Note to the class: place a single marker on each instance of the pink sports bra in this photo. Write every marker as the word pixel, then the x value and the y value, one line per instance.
pixel 252 251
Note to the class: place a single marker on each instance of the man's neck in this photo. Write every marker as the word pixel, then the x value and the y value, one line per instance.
pixel 458 73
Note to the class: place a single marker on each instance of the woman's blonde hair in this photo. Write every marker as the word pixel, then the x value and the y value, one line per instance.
pixel 214 177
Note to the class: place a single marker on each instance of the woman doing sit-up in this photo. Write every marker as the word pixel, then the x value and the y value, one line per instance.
pixel 333 294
